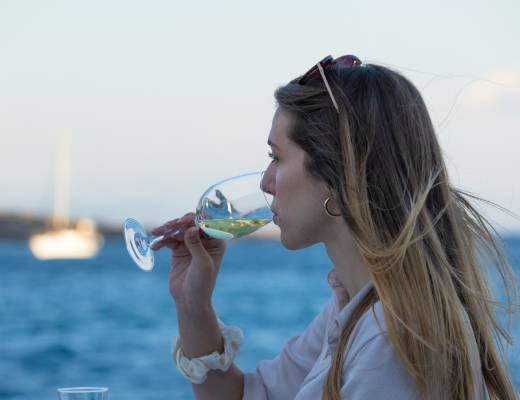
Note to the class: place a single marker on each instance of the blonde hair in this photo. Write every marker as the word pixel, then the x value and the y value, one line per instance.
pixel 425 245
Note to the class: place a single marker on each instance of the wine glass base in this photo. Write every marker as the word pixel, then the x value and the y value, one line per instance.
pixel 137 245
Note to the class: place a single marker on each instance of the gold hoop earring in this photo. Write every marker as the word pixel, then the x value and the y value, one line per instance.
pixel 327 210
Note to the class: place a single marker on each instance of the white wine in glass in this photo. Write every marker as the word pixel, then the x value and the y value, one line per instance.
pixel 229 209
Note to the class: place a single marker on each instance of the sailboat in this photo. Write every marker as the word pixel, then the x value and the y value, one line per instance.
pixel 64 241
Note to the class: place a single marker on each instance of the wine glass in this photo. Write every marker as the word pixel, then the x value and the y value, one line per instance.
pixel 83 393
pixel 229 209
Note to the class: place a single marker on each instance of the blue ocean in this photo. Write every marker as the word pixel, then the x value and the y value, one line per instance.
pixel 104 322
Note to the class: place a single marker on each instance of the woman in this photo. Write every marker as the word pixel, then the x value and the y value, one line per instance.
pixel 357 166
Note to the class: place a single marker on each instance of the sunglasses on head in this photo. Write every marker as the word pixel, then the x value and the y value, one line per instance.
pixel 328 62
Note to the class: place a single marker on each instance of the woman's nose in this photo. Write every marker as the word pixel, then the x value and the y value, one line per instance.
pixel 267 182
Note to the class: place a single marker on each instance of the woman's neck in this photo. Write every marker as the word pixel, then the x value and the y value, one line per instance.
pixel 351 271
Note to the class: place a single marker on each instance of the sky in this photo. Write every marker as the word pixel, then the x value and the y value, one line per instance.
pixel 160 99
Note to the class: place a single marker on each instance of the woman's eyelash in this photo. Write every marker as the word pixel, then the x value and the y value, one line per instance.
pixel 271 155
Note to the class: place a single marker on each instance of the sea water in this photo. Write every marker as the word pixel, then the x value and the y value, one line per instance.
pixel 104 322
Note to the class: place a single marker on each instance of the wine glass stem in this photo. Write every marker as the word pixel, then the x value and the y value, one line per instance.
pixel 155 239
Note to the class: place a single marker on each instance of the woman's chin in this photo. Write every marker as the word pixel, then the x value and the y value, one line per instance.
pixel 290 246
pixel 294 242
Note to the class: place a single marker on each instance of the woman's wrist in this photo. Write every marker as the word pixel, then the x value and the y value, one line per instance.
pixel 199 331
pixel 192 309
pixel 196 369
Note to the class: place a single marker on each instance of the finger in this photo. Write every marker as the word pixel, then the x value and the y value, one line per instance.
pixel 204 236
pixel 169 228
pixel 167 236
pixel 185 219
pixel 193 242
pixel 171 225
pixel 176 233
pixel 173 244
pixel 161 229
pixel 166 242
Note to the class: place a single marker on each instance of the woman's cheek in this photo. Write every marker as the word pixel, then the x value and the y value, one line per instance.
pixel 280 179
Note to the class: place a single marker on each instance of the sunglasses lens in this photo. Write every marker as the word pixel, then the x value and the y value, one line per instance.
pixel 347 61
pixel 340 62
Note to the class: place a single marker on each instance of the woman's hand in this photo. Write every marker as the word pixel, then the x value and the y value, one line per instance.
pixel 195 262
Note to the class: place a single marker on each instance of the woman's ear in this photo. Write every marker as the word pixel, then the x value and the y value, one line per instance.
pixel 331 205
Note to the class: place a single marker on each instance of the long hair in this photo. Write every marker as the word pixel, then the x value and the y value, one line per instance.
pixel 424 243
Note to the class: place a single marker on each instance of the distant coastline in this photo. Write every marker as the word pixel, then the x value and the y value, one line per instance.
pixel 20 226
pixel 15 225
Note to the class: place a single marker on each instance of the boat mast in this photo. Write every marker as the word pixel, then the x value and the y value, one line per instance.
pixel 60 218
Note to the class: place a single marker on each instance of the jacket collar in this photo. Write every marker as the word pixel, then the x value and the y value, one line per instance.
pixel 344 307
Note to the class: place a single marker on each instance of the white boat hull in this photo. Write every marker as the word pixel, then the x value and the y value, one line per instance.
pixel 65 244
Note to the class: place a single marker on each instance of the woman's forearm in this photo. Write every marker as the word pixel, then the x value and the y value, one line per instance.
pixel 200 336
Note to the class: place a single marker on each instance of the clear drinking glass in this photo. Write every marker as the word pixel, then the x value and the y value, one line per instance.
pixel 83 393
pixel 229 209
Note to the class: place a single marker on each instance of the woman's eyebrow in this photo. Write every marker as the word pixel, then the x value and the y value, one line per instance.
pixel 272 144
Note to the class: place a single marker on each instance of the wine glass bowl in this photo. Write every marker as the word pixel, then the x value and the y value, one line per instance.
pixel 229 209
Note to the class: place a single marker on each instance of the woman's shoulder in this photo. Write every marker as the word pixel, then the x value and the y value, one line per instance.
pixel 372 323
pixel 369 331
pixel 371 368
